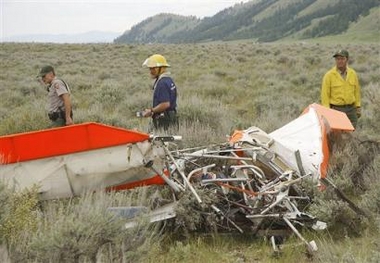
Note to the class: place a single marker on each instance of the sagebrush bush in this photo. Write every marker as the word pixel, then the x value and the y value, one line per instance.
pixel 222 87
pixel 371 198
pixel 341 220
pixel 18 214
pixel 79 230
pixel 353 168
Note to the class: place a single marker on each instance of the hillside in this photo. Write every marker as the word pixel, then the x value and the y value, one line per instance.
pixel 261 20
pixel 158 28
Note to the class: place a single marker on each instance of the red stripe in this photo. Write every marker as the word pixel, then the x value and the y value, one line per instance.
pixel 156 180
pixel 64 140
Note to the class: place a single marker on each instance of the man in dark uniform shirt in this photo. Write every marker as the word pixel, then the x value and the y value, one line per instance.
pixel 164 110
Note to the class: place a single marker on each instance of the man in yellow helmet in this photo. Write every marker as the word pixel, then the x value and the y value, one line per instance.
pixel 164 108
pixel 341 89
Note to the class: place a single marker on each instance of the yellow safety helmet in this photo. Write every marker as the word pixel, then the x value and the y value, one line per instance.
pixel 156 60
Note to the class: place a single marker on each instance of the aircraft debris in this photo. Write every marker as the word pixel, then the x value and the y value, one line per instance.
pixel 254 181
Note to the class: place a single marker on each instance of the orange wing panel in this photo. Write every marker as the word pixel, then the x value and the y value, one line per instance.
pixel 64 140
pixel 337 120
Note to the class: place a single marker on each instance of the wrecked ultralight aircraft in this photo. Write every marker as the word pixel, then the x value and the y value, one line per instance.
pixel 256 177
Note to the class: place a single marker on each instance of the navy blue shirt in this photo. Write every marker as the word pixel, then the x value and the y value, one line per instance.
pixel 164 91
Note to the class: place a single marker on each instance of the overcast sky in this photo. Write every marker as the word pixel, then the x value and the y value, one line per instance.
pixel 25 17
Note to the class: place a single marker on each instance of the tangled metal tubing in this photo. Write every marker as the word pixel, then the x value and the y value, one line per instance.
pixel 256 190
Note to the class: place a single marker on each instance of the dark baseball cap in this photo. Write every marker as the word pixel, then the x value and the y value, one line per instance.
pixel 45 70
pixel 341 53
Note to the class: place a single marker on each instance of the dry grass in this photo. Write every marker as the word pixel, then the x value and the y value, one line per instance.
pixel 222 87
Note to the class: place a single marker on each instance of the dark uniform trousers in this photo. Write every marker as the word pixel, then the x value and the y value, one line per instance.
pixel 58 118
pixel 165 120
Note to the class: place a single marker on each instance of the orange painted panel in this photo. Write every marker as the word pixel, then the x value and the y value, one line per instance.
pixel 329 119
pixel 337 120
pixel 64 140
pixel 156 180
pixel 325 149
pixel 236 136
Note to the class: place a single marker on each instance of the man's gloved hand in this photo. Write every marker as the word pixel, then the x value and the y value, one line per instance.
pixel 358 112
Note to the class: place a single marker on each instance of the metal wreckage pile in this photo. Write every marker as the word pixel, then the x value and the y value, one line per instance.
pixel 252 183
pixel 243 185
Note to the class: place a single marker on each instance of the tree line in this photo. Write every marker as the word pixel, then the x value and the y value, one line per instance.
pixel 239 23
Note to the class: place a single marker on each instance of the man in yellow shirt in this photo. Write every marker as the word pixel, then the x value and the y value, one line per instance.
pixel 341 88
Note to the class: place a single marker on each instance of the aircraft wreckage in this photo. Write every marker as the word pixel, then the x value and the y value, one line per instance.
pixel 254 177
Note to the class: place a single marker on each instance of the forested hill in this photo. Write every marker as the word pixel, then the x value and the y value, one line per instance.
pixel 262 20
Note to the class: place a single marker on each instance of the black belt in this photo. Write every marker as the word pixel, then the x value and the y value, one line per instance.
pixel 164 113
pixel 342 106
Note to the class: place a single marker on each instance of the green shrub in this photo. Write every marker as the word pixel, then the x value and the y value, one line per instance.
pixel 222 87
pixel 18 214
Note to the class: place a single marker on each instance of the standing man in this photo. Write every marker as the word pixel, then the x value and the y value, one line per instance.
pixel 341 89
pixel 164 108
pixel 59 102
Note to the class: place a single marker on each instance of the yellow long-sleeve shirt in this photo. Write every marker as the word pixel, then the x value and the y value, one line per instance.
pixel 338 91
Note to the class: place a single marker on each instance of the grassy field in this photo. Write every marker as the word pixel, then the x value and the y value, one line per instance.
pixel 222 87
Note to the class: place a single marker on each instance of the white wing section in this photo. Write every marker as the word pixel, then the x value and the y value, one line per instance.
pixel 303 134
pixel 72 174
